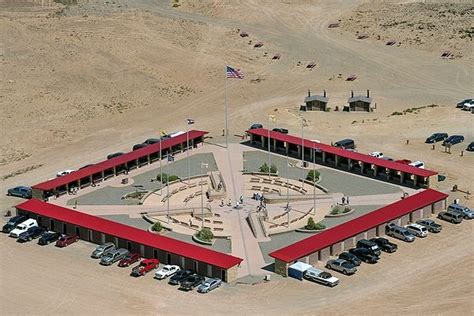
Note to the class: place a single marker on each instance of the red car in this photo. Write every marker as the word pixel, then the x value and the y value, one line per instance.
pixel 132 257
pixel 144 267
pixel 66 240
pixel 404 161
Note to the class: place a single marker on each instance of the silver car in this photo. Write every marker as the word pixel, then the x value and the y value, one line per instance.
pixel 342 266
pixel 113 256
pixel 102 250
pixel 209 285
pixel 466 212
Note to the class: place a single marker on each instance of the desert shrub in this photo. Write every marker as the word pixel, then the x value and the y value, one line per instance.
pixel 264 168
pixel 166 178
pixel 396 113
pixel 273 169
pixel 205 234
pixel 313 175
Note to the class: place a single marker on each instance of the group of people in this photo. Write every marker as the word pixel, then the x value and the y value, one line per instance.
pixel 345 200
pixel 237 204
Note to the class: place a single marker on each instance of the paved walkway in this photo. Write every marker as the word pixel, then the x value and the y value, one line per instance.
pixel 244 244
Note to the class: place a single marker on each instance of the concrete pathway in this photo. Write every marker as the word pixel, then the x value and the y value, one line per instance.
pixel 244 244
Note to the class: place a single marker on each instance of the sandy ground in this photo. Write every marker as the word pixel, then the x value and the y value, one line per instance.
pixel 79 83
pixel 430 276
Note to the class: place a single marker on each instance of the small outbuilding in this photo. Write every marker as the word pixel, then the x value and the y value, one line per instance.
pixel 316 102
pixel 360 102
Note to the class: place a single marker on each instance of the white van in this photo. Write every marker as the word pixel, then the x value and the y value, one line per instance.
pixel 23 227
pixel 418 164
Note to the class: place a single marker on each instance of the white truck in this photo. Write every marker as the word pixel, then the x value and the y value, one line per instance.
pixel 23 227
pixel 320 276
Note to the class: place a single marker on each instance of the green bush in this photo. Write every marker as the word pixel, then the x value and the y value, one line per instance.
pixel 166 178
pixel 205 234
pixel 157 227
pixel 311 225
pixel 273 169
pixel 340 210
pixel 264 168
pixel 313 175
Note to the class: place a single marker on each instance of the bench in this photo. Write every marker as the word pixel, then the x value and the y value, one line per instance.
pixel 293 220
pixel 273 226
pixel 192 185
pixel 217 222
pixel 256 187
pixel 218 229
pixel 267 181
pixel 182 188
pixel 217 215
pixel 174 191
pixel 254 179
pixel 266 189
pixel 184 223
pixel 194 226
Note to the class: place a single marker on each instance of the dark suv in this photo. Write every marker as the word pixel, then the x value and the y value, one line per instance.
pixel 191 282
pixel 453 140
pixel 48 237
pixel 364 255
pixel 11 224
pixel 436 137
pixel 280 130
pixel 385 245
pixel 370 246
pixel 179 276
pixel 110 156
pixel 256 125
pixel 350 257
pixel 30 234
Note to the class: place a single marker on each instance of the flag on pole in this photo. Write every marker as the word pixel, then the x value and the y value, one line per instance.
pixel 234 73
pixel 190 121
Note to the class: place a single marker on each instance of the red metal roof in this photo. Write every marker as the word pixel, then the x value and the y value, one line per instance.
pixel 108 227
pixel 358 225
pixel 110 163
pixel 344 153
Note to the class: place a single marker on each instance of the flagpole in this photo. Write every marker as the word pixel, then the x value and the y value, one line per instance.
pixel 226 131
pixel 302 150
pixel 167 191
pixel 187 149
pixel 161 169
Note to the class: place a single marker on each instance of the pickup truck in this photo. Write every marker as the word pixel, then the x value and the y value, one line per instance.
pixel 144 267
pixel 320 276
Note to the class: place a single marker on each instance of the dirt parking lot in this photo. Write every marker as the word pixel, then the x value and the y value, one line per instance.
pixel 57 281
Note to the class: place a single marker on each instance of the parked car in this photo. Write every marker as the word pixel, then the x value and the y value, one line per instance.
pixel 376 154
pixel 280 130
pixel 417 230
pixel 113 256
pixel 453 140
pixel 151 141
pixel 129 259
pixel 385 245
pixel 138 146
pixel 350 257
pixel 102 250
pixel 166 271
pixel 23 227
pixel 430 225
pixel 13 222
pixel 178 276
pixel 399 232
pixel 144 267
pixel 319 276
pixel 436 137
pixel 470 147
pixel 209 285
pixel 62 173
pixel 464 210
pixel 468 105
pixel 345 144
pixel 256 125
pixel 370 246
pixel 342 266
pixel 404 161
pixel 364 255
pixel 32 233
pixel 48 237
pixel 66 240
pixel 191 282
pixel 84 167
pixel 461 103
pixel 387 158
pixel 20 191
pixel 450 216
pixel 419 164
pixel 110 156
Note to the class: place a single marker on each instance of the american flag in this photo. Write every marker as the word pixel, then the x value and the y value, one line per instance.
pixel 234 73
